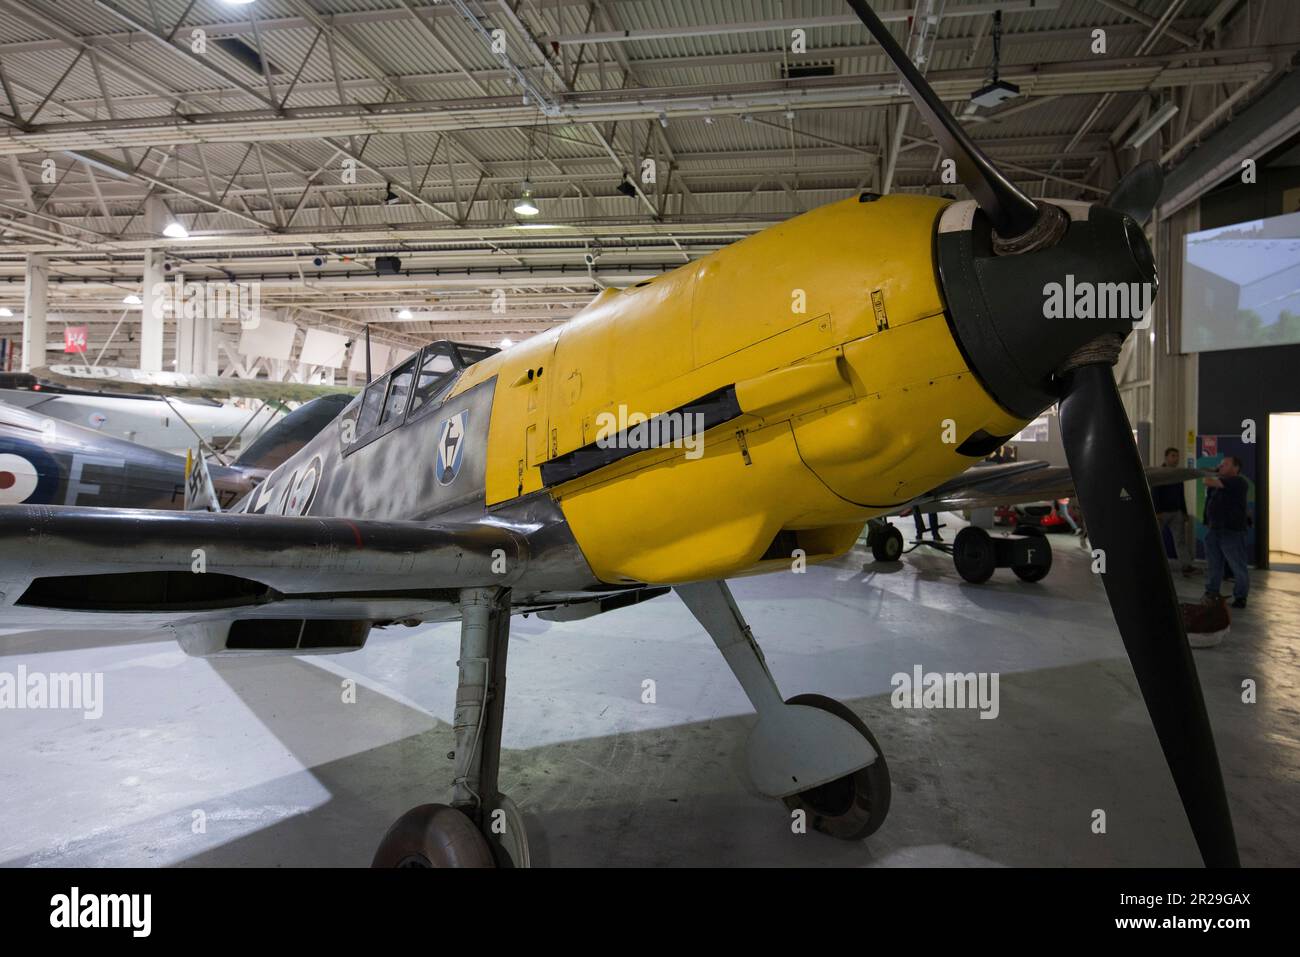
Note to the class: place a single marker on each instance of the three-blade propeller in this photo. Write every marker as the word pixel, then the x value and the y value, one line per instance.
pixel 1109 480
pixel 1011 211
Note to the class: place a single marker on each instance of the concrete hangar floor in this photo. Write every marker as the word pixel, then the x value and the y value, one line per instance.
pixel 259 761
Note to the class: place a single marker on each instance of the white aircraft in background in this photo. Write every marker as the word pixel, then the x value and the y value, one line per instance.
pixel 167 425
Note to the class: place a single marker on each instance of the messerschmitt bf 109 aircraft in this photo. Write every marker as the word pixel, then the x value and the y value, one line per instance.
pixel 472 490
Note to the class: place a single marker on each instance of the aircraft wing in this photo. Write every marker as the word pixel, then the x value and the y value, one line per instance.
pixel 138 381
pixel 233 582
pixel 986 486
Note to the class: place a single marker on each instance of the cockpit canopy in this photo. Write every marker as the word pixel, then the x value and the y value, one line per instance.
pixel 410 390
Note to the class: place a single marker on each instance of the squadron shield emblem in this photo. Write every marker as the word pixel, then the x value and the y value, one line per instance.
pixel 451 446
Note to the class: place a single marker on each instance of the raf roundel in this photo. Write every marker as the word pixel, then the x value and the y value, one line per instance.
pixel 28 474
pixel 451 447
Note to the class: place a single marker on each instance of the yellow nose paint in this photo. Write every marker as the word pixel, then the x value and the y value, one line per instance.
pixel 830 330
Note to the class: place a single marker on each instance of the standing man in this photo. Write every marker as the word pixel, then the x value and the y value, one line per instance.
pixel 920 525
pixel 1225 513
pixel 1171 511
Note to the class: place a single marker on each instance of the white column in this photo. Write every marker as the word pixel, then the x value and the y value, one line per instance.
pixel 35 299
pixel 195 344
pixel 184 344
pixel 196 327
pixel 205 345
pixel 152 315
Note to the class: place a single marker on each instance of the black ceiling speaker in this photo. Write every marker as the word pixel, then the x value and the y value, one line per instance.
pixel 387 265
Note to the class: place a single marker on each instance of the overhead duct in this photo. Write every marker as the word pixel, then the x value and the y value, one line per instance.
pixel 1264 125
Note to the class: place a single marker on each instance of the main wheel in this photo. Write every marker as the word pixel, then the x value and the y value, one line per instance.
pixel 974 555
pixel 854 806
pixel 433 835
pixel 507 835
pixel 887 545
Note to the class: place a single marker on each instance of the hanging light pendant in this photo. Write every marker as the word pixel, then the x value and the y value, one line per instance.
pixel 526 206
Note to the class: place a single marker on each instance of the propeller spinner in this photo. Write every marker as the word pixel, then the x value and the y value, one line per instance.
pixel 995 275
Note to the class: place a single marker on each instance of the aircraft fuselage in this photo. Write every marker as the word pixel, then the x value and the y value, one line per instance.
pixel 816 357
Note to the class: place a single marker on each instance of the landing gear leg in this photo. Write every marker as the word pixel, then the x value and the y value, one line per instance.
pixel 811 752
pixel 482 827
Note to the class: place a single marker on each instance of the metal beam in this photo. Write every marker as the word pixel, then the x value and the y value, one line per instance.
pixel 611 105
pixel 1133 13
pixel 1253 133
pixel 788 23
pixel 103 162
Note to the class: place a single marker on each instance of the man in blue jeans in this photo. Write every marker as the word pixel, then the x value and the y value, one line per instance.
pixel 1225 514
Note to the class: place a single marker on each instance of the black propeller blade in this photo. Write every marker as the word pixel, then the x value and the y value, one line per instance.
pixel 1138 192
pixel 1112 490
pixel 1108 474
pixel 1012 212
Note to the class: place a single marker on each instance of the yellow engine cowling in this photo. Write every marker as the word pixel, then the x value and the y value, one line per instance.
pixel 853 397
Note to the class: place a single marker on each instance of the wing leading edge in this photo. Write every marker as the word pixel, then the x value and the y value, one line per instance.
pixel 201 573
pixel 1017 482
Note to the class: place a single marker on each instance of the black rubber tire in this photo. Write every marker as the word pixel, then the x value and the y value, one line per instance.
pixel 887 544
pixel 433 835
pixel 974 555
pixel 1031 573
pixel 1037 571
pixel 852 807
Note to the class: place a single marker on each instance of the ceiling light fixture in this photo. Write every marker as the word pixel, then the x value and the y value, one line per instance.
pixel 406 314
pixel 133 300
pixel 1152 126
pixel 506 343
pixel 6 312
pixel 526 206
pixel 174 230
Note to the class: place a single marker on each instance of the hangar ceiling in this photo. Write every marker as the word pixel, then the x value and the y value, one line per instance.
pixel 297 140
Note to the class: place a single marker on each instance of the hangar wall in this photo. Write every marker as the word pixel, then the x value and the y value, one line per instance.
pixel 1174 404
pixel 1237 384
pixel 1284 459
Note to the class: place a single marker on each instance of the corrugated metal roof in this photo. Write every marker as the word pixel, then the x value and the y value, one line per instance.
pixel 738 171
